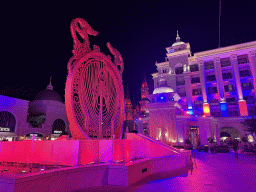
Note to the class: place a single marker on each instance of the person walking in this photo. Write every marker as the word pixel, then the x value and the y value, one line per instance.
pixel 235 147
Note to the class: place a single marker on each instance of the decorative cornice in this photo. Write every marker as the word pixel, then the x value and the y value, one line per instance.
pixel 233 56
pixel 252 53
pixel 159 65
pixel 217 51
pixel 187 52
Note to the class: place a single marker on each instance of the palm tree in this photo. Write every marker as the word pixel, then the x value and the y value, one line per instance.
pixel 250 124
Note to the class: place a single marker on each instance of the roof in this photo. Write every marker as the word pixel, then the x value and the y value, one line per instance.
pixel 48 94
pixel 162 90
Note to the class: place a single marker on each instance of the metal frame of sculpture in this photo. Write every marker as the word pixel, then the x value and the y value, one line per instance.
pixel 94 94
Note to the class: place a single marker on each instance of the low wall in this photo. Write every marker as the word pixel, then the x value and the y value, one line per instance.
pixel 82 152
pixel 66 179
pixel 43 152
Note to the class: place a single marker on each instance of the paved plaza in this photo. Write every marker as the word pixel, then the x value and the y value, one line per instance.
pixel 211 172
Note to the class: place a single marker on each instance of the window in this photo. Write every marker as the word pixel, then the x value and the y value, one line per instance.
pixel 193 68
pixel 179 70
pixel 212 90
pixel 231 101
pixel 227 75
pixel 164 70
pixel 214 102
pixel 247 86
pixel 249 99
pixel 208 65
pixel 195 80
pixel 198 104
pixel 225 62
pixel 245 73
pixel 211 78
pixel 241 59
pixel 197 92
pixel 229 88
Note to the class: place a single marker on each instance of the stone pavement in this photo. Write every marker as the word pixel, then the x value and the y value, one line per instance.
pixel 218 172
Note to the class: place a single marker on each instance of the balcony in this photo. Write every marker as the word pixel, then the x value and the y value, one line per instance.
pixel 225 63
pixel 226 76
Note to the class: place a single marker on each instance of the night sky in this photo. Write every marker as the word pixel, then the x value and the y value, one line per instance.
pixel 36 40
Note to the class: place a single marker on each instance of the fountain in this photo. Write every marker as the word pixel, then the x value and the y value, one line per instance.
pixel 96 155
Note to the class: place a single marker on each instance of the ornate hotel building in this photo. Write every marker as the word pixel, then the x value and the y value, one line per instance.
pixel 219 82
pixel 195 97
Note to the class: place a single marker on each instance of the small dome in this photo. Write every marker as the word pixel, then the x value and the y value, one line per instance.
pixel 178 43
pixel 48 94
pixel 162 90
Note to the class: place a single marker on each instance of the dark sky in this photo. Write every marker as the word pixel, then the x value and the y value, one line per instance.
pixel 36 40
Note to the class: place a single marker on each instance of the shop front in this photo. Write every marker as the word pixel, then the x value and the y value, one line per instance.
pixel 37 136
pixel 6 134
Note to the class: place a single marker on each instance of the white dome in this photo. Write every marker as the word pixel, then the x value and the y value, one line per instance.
pixel 162 90
pixel 178 43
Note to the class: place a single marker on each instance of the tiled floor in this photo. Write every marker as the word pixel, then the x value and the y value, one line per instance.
pixel 212 172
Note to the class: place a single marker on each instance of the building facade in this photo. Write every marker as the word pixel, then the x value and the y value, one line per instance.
pixel 219 82
pixel 44 117
pixel 216 90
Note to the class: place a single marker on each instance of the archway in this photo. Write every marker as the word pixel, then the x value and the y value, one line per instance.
pixel 7 121
pixel 227 133
pixel 58 126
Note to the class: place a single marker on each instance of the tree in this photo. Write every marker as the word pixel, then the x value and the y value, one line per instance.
pixel 250 126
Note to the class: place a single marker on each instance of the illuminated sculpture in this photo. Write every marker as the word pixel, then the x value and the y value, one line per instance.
pixel 94 91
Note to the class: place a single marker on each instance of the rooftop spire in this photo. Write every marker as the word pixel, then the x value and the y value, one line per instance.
pixel 50 84
pixel 177 37
pixel 144 83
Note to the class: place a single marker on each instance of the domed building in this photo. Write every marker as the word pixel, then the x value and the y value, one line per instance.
pixel 44 117
pixel 47 114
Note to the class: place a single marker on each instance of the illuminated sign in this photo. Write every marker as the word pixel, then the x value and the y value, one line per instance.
pixel 5 129
pixel 57 132
pixel 36 135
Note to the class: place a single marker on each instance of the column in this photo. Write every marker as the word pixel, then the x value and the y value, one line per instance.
pixel 241 102
pixel 252 59
pixel 188 92
pixel 155 82
pixel 171 81
pixel 206 106
pixel 220 85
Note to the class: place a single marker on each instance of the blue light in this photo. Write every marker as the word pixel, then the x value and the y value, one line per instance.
pixel 224 109
pixel 190 111
pixel 161 98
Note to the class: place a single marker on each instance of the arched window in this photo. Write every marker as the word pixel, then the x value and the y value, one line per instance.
pixel 7 120
pixel 58 126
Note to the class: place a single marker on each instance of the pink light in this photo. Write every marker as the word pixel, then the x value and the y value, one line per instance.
pixel 243 108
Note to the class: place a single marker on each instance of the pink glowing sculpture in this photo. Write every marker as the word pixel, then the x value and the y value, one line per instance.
pixel 94 92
